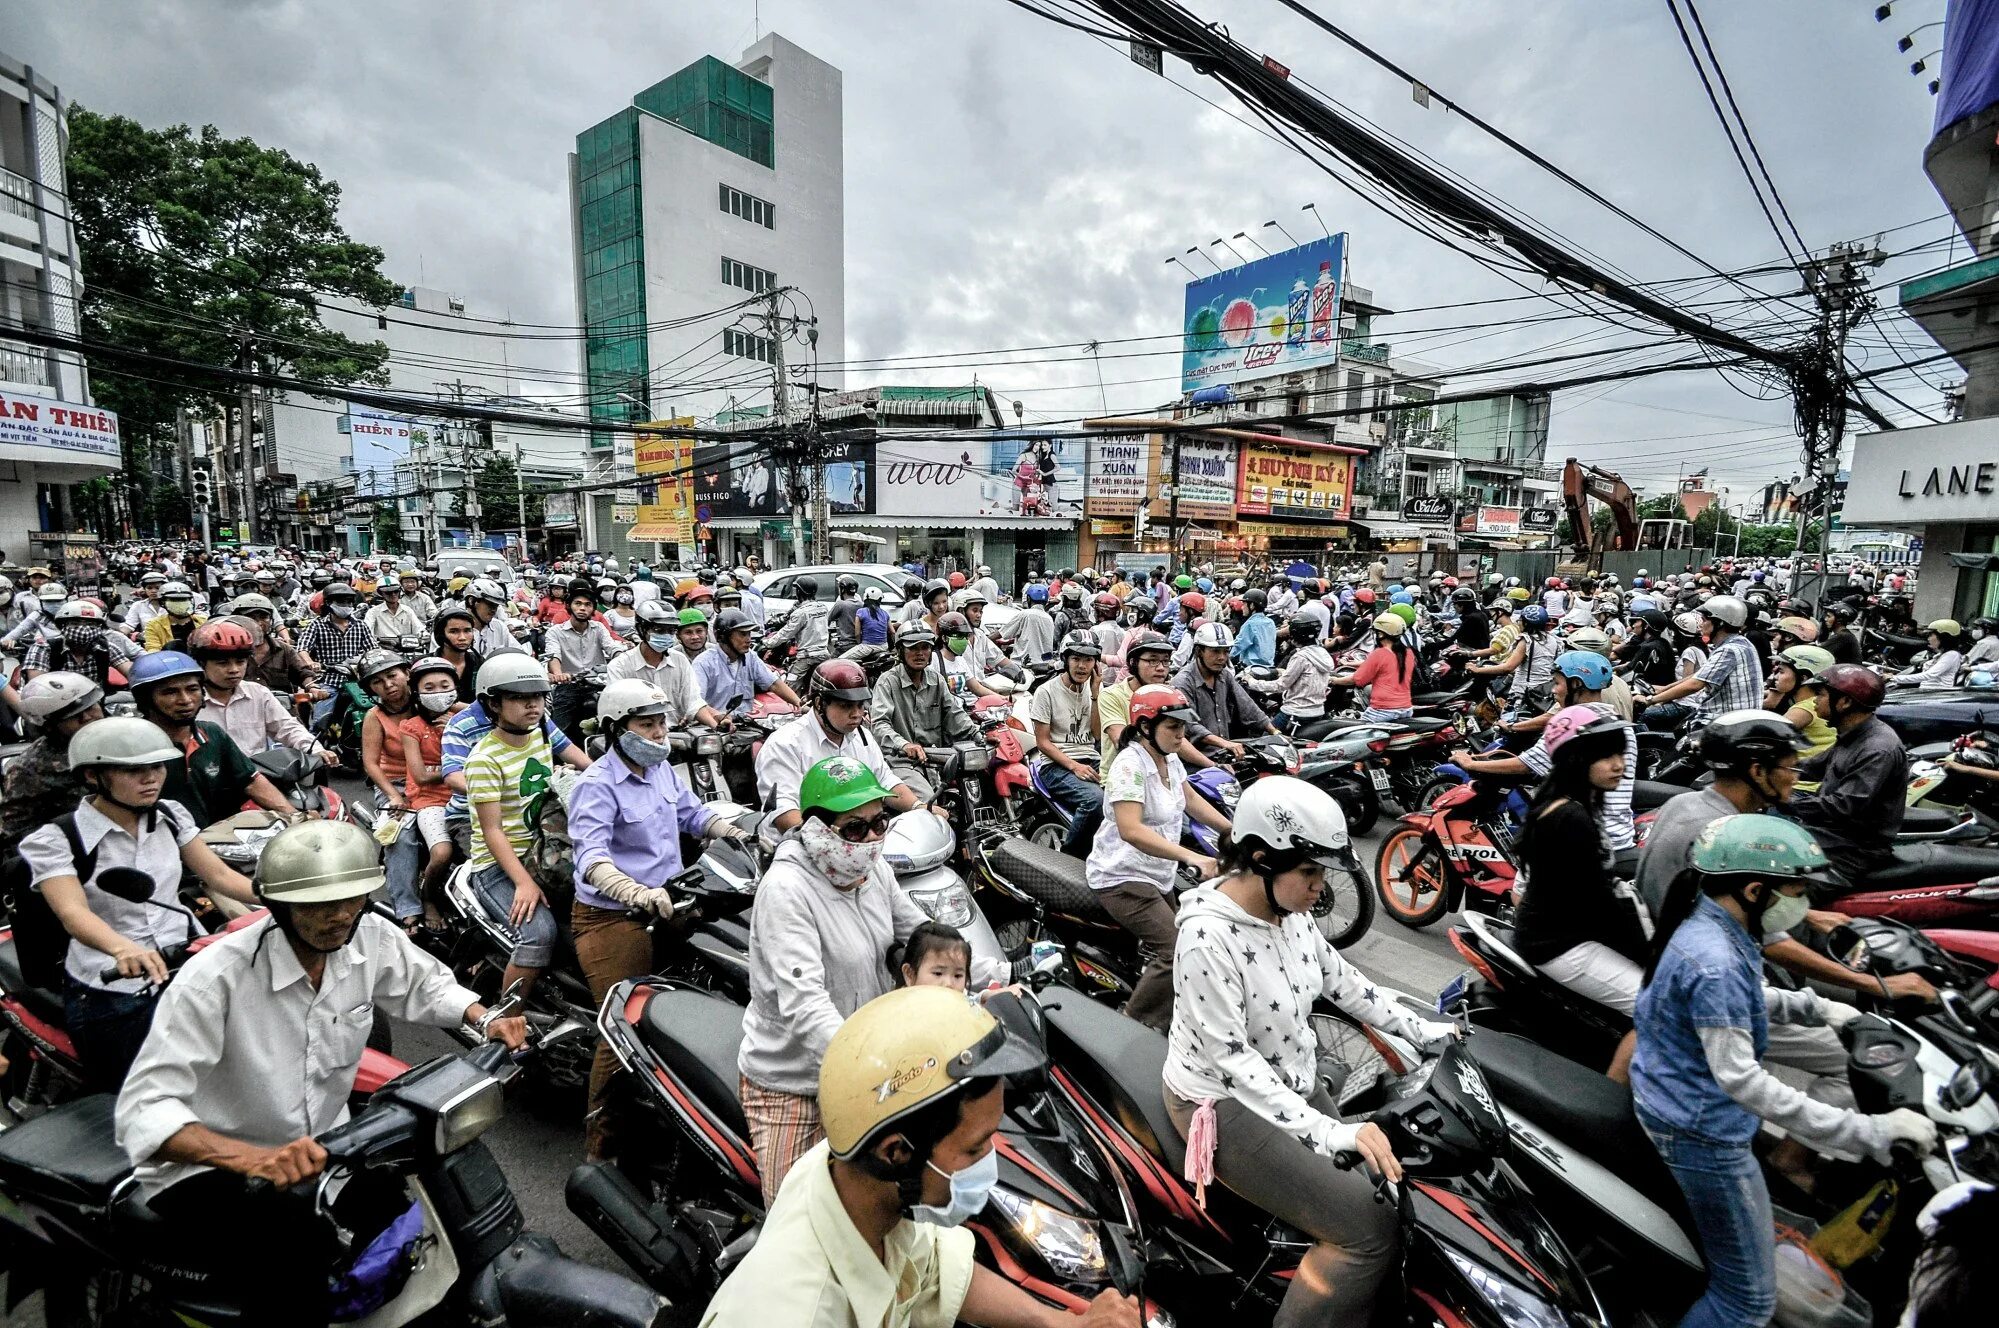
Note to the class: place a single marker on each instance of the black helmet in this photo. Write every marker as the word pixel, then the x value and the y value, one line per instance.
pixel 1255 598
pixel 912 588
pixel 1081 643
pixel 733 620
pixel 1463 595
pixel 445 615
pixel 1732 741
pixel 654 613
pixel 1304 631
pixel 1657 619
pixel 1985 624
pixel 705 575
pixel 846 585
pixel 804 588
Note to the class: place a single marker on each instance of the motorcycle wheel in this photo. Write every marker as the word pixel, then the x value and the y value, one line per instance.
pixel 1351 912
pixel 1434 789
pixel 1410 880
pixel 1349 1062
pixel 94 1302
pixel 1049 834
pixel 1406 786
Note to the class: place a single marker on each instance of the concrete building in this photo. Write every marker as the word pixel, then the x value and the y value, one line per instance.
pixel 715 185
pixel 51 435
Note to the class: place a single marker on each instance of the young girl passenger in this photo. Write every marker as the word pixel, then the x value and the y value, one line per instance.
pixel 422 737
pixel 936 955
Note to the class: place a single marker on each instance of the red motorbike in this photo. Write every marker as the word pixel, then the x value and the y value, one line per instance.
pixel 1457 854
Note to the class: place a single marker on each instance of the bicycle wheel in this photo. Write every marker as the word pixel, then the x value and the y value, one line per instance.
pixel 1410 879
pixel 1346 907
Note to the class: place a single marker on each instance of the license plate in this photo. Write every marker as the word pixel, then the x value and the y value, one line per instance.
pixel 1379 776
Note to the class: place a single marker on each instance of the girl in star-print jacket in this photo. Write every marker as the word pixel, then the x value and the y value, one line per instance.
pixel 1241 1077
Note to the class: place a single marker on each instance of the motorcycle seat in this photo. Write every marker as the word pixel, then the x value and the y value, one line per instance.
pixel 1927 820
pixel 42 1003
pixel 1649 793
pixel 1433 698
pixel 1120 1061
pixel 1058 881
pixel 1934 862
pixel 699 1037
pixel 68 1155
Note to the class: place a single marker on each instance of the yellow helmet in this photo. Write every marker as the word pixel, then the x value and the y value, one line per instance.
pixel 904 1051
pixel 1519 595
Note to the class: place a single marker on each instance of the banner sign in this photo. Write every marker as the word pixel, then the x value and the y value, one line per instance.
pixel 1207 479
pixel 1498 521
pixel 380 440
pixel 1428 510
pixel 739 479
pixel 1304 484
pixel 665 467
pixel 1277 315
pixel 42 428
pixel 1020 475
pixel 1120 474
pixel 1538 519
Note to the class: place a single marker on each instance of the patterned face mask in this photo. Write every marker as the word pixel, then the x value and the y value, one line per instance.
pixel 846 865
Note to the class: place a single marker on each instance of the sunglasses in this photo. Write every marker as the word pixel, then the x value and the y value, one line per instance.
pixel 856 832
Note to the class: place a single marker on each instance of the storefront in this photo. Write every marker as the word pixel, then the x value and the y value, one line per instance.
pixel 46 444
pixel 1941 483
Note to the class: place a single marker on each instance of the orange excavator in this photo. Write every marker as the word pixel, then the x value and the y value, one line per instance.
pixel 1581 483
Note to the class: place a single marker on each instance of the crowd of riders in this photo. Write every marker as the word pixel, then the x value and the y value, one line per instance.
pixel 460 697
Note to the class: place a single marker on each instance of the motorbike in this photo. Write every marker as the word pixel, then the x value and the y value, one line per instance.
pixel 84 1232
pixel 1458 854
pixel 1476 1251
pixel 341 731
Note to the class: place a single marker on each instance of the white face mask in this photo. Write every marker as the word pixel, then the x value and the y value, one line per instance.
pixel 845 865
pixel 436 702
pixel 1784 912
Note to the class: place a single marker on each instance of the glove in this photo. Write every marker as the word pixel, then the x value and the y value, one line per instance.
pixel 1903 1126
pixel 655 901
pixel 1838 1014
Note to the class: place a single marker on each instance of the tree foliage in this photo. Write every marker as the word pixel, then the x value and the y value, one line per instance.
pixel 499 494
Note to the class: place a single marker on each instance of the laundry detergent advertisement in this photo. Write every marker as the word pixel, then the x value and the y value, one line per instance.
pixel 1277 315
pixel 1029 475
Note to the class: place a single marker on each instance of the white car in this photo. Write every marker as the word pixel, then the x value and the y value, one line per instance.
pixel 479 562
pixel 776 587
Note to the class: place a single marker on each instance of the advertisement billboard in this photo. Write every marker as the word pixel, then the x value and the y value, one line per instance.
pixel 379 440
pixel 1015 475
pixel 1301 483
pixel 41 428
pixel 665 467
pixel 1279 314
pixel 1207 478
pixel 739 479
pixel 1428 510
pixel 1120 474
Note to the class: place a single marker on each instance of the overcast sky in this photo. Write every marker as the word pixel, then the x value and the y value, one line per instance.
pixel 1011 183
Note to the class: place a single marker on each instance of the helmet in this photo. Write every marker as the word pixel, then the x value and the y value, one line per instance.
pixel 911 588
pixel 917 633
pixel 840 680
pixel 1519 594
pixel 805 587
pixel 906 1051
pixel 1807 661
pixel 839 784
pixel 445 615
pixel 956 580
pixel 1072 593
pixel 984 570
pixel 1945 627
pixel 1593 639
pixel 1363 596
pixel 1534 618
pixel 512 674
pixel 1193 602
pixel 1757 845
pixel 954 624
pixel 1464 595
pixel 1841 611
pixel 341 591
pixel 1688 622
pixel 120 740
pixel 688 618
pixel 965 599
pixel 155 668
pixel 1406 612
pixel 1036 593
pixel 1400 597
pixel 1214 636
pixel 176 590
pixel 627 698
pixel 253 603
pixel 703 595
pixel 1080 643
pixel 844 585
pixel 1304 632
pixel 1801 629
pixel 375 663
pixel 1731 741
pixel 1255 598
pixel 1862 686
pixel 219 638
pixel 1590 722
pixel 1204 584
pixel 1584 666
pixel 487 589
pixel 1184 582
pixel 50 697
pixel 319 862
pixel 79 610
pixel 1390 624
pixel 153 579
pixel 733 620
pixel 1293 823
pixel 1106 603
pixel 934 586
pixel 430 664
pixel 655 614
pixel 1161 702
pixel 1984 624
pixel 1655 619
pixel 1152 643
pixel 1554 583
pixel 872 595
pixel 1725 609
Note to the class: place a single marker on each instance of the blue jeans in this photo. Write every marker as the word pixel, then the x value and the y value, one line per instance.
pixel 403 867
pixel 107 1029
pixel 1083 801
pixel 534 941
pixel 321 710
pixel 1730 1204
pixel 1666 716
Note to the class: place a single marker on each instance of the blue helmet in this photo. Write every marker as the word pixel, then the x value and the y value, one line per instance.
pixel 1037 593
pixel 1401 597
pixel 159 666
pixel 1205 585
pixel 1584 666
pixel 1534 618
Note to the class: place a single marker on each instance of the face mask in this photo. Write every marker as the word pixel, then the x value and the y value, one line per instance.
pixel 624 599
pixel 343 611
pixel 643 752
pixel 1784 912
pixel 845 865
pixel 6 598
pixel 958 644
pixel 180 608
pixel 660 641
pixel 436 702
pixel 1977 633
pixel 969 1190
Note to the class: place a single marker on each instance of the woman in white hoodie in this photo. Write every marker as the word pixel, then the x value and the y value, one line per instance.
pixel 1241 1078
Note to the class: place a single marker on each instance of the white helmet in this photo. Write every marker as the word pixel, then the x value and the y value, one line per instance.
pixel 985 570
pixel 1214 635
pixel 964 599
pixel 52 593
pixel 79 610
pixel 1292 822
pixel 176 590
pixel 627 698
pixel 121 740
pixel 512 674
pixel 1726 609
pixel 246 603
pixel 50 697
pixel 487 589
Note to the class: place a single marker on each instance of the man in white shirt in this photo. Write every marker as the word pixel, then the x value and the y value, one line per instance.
pixel 222 1092
pixel 658 661
pixel 985 584
pixel 146 606
pixel 248 712
pixel 391 620
pixel 835 725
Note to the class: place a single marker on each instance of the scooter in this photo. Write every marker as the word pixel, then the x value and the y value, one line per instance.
pixel 1458 854
pixel 83 1230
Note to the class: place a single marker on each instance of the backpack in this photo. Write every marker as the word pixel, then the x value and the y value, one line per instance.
pixel 551 860
pixel 40 941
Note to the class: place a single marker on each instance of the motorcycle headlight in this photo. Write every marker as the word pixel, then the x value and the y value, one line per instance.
pixel 1231 794
pixel 952 906
pixel 1518 1306
pixel 708 744
pixel 467 1116
pixel 1072 1247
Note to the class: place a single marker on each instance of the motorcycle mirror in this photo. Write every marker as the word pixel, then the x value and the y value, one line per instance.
pixel 126 883
pixel 1958 1011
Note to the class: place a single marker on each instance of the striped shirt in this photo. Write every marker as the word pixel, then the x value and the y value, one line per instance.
pixel 463 733
pixel 513 777
pixel 1615 824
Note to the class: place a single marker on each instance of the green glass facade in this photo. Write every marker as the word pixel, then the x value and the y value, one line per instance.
pixel 612 232
pixel 723 105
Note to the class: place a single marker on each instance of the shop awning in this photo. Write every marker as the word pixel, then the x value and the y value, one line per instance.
pixel 1976 562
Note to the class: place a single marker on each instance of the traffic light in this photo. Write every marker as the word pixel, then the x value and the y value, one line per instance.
pixel 204 487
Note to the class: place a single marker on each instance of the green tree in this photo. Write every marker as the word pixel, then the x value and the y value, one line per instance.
pixel 499 495
pixel 388 529
pixel 168 509
pixel 192 242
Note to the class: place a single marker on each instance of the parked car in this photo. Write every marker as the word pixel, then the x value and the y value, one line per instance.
pixel 480 562
pixel 1920 717
pixel 776 586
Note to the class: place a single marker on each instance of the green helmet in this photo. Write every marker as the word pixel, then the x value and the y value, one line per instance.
pixel 1406 612
pixel 1767 847
pixel 691 618
pixel 1183 582
pixel 839 784
pixel 319 862
pixel 1807 662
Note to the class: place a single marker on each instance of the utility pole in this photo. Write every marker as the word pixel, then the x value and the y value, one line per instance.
pixel 470 478
pixel 1838 282
pixel 521 493
pixel 796 488
pixel 246 359
pixel 1173 509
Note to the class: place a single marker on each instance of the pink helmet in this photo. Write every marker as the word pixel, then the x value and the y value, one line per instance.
pixel 1579 721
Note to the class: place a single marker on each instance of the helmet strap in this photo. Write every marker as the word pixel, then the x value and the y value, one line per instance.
pixel 147 813
pixel 1267 870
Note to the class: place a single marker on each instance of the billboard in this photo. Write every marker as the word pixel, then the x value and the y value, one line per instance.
pixel 43 429
pixel 1302 483
pixel 665 467
pixel 1120 474
pixel 1016 475
pixel 1207 478
pixel 379 439
pixel 740 479
pixel 1277 315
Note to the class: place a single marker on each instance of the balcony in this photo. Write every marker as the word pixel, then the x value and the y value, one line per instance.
pixel 21 363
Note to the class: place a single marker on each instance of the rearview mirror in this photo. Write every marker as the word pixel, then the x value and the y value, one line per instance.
pixel 126 883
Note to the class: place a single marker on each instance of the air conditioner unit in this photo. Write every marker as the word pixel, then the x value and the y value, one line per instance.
pixel 1377 431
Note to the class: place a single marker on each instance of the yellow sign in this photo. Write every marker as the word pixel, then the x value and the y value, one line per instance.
pixel 665 467
pixel 1298 482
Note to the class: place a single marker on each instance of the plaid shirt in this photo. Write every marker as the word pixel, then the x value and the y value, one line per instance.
pixel 331 647
pixel 1734 678
pixel 118 650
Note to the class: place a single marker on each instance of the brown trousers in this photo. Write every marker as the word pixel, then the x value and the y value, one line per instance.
pixel 610 948
pixel 1143 911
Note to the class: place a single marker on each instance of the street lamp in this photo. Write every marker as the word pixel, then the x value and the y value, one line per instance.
pixel 1188 270
pixel 1245 237
pixel 1281 231
pixel 1313 208
pixel 1909 40
pixel 1197 249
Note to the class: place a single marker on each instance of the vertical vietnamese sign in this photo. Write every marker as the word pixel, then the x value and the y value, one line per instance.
pixel 665 469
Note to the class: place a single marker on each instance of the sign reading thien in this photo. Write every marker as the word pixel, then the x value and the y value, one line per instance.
pixel 1279 314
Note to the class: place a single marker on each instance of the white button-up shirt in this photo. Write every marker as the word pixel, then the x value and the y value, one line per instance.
pixel 256 719
pixel 794 749
pixel 673 675
pixel 243 1044
pixel 154 924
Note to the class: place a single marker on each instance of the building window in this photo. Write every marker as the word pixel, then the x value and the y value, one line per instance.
pixel 752 279
pixel 1356 382
pixel 748 345
pixel 749 207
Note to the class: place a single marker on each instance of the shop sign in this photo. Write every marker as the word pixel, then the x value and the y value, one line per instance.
pixel 665 467
pixel 625 514
pixel 1120 473
pixel 1498 521
pixel 1304 484
pixel 1942 472
pixel 740 479
pixel 558 510
pixel 1012 475
pixel 1207 479
pixel 1114 527
pixel 1538 519
pixel 1429 509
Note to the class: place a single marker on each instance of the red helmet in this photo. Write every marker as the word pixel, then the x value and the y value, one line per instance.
pixel 1554 583
pixel 1158 702
pixel 1106 603
pixel 1194 601
pixel 840 680
pixel 218 639
pixel 990 710
pixel 1363 596
pixel 1862 686
pixel 698 595
pixel 1450 583
pixel 956 580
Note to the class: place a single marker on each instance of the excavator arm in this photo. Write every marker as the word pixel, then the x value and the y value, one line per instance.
pixel 1581 483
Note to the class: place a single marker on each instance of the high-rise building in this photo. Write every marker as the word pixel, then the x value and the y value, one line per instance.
pixel 715 185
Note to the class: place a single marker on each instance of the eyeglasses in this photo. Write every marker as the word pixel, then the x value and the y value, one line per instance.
pixel 856 832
